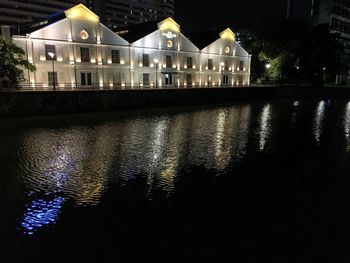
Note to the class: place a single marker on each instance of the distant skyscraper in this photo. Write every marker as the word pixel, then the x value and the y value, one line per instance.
pixel 299 9
pixel 335 13
pixel 120 12
pixel 16 13
pixel 113 13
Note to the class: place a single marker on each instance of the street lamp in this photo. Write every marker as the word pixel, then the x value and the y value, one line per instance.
pixel 323 75
pixel 156 64
pixel 268 65
pixel 52 56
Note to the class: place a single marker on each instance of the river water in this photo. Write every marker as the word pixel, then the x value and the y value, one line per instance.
pixel 265 180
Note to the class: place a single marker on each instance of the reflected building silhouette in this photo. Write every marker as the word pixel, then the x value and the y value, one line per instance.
pixel 74 162
pixel 79 162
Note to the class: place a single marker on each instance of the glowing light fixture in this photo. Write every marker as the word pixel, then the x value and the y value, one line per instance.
pixel 81 12
pixel 228 34
pixel 169 24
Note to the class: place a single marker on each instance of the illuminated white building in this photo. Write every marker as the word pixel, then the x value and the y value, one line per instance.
pixel 75 50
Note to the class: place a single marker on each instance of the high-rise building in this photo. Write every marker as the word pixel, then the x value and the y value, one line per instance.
pixel 120 13
pixel 113 13
pixel 298 9
pixel 17 13
pixel 335 13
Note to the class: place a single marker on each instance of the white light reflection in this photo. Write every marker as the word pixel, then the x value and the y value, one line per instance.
pixel 157 146
pixel 265 126
pixel 347 125
pixel 318 120
pixel 173 152
pixel 231 137
pixel 220 151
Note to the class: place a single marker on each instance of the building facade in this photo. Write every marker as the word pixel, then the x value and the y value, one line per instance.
pixel 79 52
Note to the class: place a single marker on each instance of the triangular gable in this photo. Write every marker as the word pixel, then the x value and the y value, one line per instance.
pixel 149 41
pixel 169 24
pixel 109 37
pixel 240 51
pixel 187 45
pixel 213 48
pixel 56 31
pixel 228 34
pixel 81 12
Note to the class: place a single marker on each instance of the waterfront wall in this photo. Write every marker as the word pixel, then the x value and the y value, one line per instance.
pixel 61 102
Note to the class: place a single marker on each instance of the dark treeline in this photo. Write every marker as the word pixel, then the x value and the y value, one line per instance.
pixel 293 51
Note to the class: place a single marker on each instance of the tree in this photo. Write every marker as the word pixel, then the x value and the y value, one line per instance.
pixel 295 50
pixel 12 64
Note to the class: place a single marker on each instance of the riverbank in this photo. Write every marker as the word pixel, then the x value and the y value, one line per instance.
pixel 60 102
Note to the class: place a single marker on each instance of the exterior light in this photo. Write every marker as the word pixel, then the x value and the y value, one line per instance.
pixel 268 65
pixel 52 56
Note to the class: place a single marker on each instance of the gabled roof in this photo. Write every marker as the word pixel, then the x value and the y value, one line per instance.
pixel 169 24
pixel 42 22
pixel 78 11
pixel 135 32
pixel 228 34
pixel 82 12
pixel 205 38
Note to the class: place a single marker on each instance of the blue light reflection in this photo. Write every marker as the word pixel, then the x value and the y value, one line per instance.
pixel 41 213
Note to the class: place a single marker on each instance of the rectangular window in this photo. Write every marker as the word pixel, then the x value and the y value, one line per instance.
pixel 210 63
pixel 116 56
pixel 241 65
pixel 226 65
pixel 52 77
pixel 85 54
pixel 145 60
pixel 168 61
pixel 86 78
pixel 225 79
pixel 146 79
pixel 189 79
pixel 49 51
pixel 189 62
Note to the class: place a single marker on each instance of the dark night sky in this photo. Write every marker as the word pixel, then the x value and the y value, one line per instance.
pixel 196 15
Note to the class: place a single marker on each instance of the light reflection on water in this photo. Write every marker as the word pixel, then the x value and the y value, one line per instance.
pixel 347 124
pixel 79 163
pixel 265 125
pixel 40 213
pixel 318 120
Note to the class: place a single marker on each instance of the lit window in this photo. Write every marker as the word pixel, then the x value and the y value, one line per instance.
pixel 50 49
